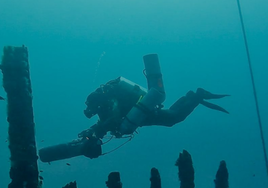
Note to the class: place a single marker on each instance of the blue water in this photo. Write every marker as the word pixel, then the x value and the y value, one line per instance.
pixel 74 46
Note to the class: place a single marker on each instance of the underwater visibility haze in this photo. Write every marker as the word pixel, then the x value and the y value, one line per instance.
pixel 75 46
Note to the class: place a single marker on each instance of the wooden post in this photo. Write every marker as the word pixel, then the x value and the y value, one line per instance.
pixel 21 132
pixel 186 170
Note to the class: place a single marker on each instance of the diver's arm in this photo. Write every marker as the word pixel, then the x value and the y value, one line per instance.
pixel 102 127
pixel 95 130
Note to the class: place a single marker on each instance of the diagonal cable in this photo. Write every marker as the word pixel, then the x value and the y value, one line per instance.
pixel 254 87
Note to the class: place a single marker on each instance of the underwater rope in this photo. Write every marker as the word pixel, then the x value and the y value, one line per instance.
pixel 254 87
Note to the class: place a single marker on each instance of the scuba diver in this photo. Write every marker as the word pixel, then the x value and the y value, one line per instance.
pixel 122 106
pixel 116 101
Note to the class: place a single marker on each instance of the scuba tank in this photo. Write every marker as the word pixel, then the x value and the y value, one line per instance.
pixel 126 86
pixel 128 94
pixel 155 96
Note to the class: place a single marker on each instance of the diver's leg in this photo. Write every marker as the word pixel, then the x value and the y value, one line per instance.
pixel 191 99
pixel 183 107
pixel 176 113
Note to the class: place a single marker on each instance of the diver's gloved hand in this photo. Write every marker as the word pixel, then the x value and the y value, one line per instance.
pixel 205 95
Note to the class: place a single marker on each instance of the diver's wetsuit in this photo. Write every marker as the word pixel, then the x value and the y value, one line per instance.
pixel 112 106
pixel 182 108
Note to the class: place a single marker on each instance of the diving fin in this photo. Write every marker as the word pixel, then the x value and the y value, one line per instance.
pixel 207 95
pixel 213 106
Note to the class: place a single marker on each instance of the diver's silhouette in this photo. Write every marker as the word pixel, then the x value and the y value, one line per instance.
pixel 122 106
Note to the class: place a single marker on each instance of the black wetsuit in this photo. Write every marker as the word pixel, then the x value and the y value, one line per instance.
pixel 113 106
